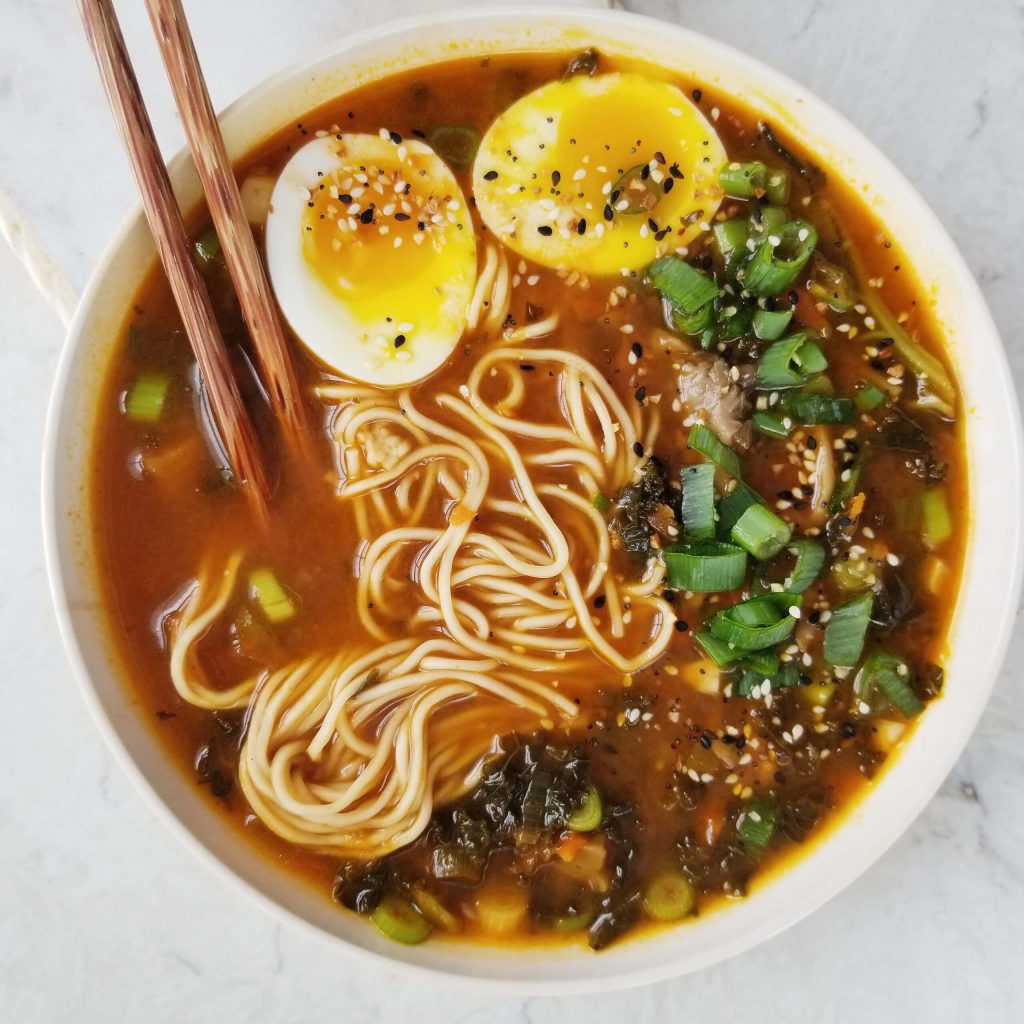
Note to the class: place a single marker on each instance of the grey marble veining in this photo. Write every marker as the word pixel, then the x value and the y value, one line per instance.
pixel 103 917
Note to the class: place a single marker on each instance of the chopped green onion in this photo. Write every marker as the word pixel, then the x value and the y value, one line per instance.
pixel 601 502
pixel 719 651
pixel 765 663
pixel 756 824
pixel 869 398
pixel 698 505
pixel 731 238
pixel 266 590
pixel 937 522
pixel 769 324
pixel 705 566
pixel 753 625
pixel 771 424
pixel 572 922
pixel 433 909
pixel 207 246
pixel 704 440
pixel 831 284
pixel 846 485
pixel 778 679
pixel 589 814
pixel 692 323
pixel 888 676
pixel 810 560
pixel 754 180
pixel 790 361
pixel 761 532
pixel 734 320
pixel 778 260
pixel 733 505
pixel 400 920
pixel 811 409
pixel 144 400
pixel 847 629
pixel 635 192
pixel 456 144
pixel 668 897
pixel 686 287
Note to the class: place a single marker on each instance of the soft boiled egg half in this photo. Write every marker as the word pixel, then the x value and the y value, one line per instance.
pixel 599 174
pixel 371 251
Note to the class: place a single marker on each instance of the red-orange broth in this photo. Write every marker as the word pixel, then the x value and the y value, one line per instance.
pixel 677 762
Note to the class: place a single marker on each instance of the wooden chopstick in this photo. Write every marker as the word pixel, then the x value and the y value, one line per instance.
pixel 208 151
pixel 232 420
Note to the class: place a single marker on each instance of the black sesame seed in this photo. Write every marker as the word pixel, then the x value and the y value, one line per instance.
pixel 401 216
pixel 668 185
pixel 675 171
pixel 490 175
pixel 581 227
pixel 793 298
pixel 527 367
pixel 556 177
pixel 637 349
pixel 812 442
pixel 366 217
pixel 395 138
pixel 346 198
pixel 608 212
pixel 638 449
pixel 696 94
pixel 652 224
pixel 400 341
pixel 599 601
pixel 659 156
pixel 645 172
pixel 681 626
pixel 544 229
pixel 641 394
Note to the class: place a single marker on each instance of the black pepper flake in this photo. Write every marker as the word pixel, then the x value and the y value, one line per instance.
pixel 637 349
pixel 490 176
pixel 400 341
pixel 581 227
pixel 395 138
pixel 638 449
pixel 544 229
pixel 641 394
pixel 420 226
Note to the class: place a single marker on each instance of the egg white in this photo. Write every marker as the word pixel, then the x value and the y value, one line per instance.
pixel 373 301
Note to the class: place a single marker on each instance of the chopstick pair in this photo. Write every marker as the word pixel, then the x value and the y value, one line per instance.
pixel 207 145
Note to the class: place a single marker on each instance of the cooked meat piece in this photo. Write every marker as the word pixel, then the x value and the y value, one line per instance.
pixel 708 392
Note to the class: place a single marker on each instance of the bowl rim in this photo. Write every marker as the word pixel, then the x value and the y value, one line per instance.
pixel 586 20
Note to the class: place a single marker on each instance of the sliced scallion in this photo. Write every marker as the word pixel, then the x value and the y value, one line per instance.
pixel 589 814
pixel 789 362
pixel 868 398
pixel 400 920
pixel 601 502
pixel 754 180
pixel 698 504
pixel 847 629
pixel 668 896
pixel 719 651
pixel 771 424
pixel 273 599
pixel 144 400
pixel 811 409
pixel 686 287
pixel 207 246
pixel 753 625
pixel 733 505
pixel 780 257
pixel 831 285
pixel 770 324
pixel 887 676
pixel 936 519
pixel 704 440
pixel 705 566
pixel 731 238
pixel 761 532
pixel 810 560
pixel 756 825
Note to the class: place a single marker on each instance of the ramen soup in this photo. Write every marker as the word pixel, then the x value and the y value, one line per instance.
pixel 634 524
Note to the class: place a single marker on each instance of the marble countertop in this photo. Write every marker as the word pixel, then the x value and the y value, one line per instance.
pixel 103 917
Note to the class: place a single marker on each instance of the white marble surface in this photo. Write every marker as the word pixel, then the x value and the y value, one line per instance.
pixel 104 918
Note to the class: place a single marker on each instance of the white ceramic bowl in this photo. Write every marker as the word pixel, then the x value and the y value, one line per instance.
pixel 988 594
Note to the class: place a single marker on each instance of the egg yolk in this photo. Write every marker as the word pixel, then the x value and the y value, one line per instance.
pixel 376 236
